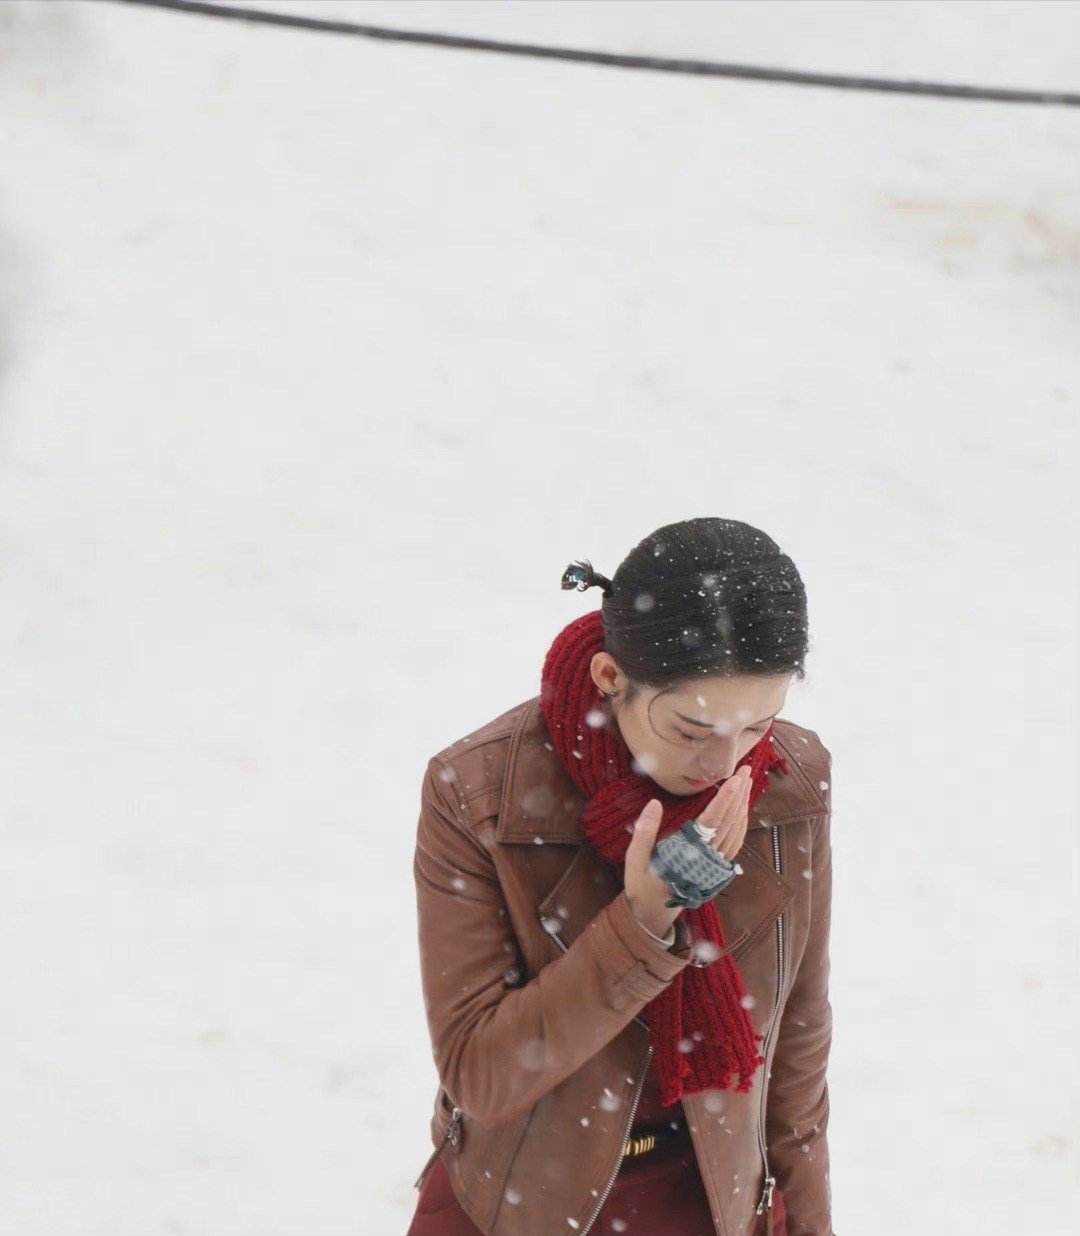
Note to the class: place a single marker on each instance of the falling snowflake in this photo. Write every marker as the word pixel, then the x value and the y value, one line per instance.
pixel 609 1101
pixel 645 764
pixel 531 1055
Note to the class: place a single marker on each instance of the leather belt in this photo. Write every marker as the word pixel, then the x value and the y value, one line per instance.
pixel 644 1140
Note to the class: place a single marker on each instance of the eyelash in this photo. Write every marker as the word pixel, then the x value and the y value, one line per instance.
pixel 701 740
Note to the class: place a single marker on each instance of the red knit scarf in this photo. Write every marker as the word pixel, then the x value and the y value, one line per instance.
pixel 699 1028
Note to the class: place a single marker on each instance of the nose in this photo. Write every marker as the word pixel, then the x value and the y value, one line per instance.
pixel 719 774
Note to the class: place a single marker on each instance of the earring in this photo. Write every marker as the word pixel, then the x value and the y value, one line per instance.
pixel 612 694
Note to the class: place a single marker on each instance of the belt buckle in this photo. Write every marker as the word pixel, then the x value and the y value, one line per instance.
pixel 649 1139
pixel 639 1145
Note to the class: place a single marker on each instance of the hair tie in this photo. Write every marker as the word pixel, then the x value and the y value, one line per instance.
pixel 580 575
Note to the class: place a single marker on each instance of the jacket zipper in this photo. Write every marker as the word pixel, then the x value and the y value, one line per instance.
pixel 452 1135
pixel 553 932
pixel 765 1202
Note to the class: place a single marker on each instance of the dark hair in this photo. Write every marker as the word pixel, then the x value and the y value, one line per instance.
pixel 705 596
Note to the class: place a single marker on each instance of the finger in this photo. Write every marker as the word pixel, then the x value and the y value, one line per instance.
pixel 737 837
pixel 643 839
pixel 736 843
pixel 743 811
pixel 725 806
pixel 716 810
pixel 727 840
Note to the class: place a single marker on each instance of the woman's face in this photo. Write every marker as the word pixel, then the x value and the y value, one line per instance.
pixel 699 730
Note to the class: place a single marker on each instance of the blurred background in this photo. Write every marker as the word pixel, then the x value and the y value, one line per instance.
pixel 320 358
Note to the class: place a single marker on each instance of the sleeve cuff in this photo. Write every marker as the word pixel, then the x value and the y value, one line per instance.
pixel 668 940
pixel 635 955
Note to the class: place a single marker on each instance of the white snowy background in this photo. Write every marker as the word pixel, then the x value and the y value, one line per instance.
pixel 320 358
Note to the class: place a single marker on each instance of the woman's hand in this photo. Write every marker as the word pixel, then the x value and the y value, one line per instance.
pixel 727 812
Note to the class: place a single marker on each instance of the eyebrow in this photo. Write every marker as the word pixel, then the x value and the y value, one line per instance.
pixel 708 725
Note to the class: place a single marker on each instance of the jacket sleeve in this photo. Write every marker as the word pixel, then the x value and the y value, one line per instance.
pixel 798 1098
pixel 500 1044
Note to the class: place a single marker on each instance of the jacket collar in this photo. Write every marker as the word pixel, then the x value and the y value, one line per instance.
pixel 541 804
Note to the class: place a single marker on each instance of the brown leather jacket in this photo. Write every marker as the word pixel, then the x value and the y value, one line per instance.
pixel 535 971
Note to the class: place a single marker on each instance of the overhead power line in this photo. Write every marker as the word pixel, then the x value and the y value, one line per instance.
pixel 658 64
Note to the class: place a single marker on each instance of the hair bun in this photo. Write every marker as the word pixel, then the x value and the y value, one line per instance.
pixel 580 575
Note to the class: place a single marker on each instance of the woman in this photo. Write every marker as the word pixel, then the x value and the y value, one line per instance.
pixel 615 1055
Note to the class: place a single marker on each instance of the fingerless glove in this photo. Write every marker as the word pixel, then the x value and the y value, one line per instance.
pixel 691 868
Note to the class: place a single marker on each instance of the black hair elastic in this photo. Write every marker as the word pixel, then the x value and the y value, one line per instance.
pixel 580 575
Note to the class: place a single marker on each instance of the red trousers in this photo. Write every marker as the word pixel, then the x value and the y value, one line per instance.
pixel 657 1194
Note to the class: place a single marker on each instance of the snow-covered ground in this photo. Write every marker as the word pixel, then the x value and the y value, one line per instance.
pixel 319 360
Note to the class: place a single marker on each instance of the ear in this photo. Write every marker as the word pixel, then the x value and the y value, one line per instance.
pixel 604 672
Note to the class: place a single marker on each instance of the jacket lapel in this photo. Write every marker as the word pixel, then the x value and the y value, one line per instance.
pixel 538 797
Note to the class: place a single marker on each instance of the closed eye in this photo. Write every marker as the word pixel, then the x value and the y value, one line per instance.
pixel 699 741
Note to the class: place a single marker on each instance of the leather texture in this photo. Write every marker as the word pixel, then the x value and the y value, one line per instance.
pixel 535 972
